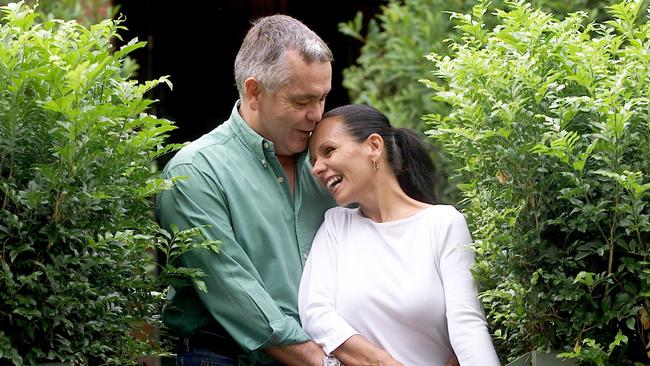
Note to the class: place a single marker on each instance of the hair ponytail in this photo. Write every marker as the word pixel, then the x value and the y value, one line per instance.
pixel 415 171
pixel 407 154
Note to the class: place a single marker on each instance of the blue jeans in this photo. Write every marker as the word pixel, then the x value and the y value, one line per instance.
pixel 203 357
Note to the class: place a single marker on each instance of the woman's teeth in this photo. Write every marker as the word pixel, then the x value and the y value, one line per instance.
pixel 332 182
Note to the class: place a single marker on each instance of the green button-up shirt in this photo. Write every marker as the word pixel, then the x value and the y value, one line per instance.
pixel 236 185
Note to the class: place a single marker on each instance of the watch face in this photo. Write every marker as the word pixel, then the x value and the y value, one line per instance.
pixel 331 361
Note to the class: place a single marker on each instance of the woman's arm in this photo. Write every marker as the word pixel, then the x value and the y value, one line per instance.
pixel 316 304
pixel 468 331
pixel 318 289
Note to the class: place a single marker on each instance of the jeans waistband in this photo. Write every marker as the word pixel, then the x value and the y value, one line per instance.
pixel 217 343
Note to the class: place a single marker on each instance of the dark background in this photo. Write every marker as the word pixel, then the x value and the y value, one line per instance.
pixel 195 43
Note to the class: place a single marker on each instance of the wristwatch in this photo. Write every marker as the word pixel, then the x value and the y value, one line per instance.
pixel 331 361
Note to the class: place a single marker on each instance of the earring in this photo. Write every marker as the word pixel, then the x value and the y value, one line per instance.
pixel 375 165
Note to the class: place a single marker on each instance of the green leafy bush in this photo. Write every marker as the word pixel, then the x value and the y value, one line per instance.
pixel 550 126
pixel 86 12
pixel 77 235
pixel 392 60
pixel 396 42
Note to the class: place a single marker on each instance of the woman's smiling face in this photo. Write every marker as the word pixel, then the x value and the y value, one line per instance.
pixel 341 163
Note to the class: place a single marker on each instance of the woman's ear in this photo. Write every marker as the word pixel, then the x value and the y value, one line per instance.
pixel 376 144
pixel 252 91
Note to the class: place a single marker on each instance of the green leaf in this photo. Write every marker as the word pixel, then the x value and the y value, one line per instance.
pixel 16 250
pixel 129 47
pixel 353 28
pixel 200 285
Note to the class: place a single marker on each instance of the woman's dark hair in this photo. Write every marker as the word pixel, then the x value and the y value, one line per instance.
pixel 407 154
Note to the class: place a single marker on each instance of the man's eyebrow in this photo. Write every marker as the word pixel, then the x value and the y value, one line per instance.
pixel 309 95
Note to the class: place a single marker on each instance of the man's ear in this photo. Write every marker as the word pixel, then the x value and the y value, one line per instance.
pixel 376 144
pixel 252 92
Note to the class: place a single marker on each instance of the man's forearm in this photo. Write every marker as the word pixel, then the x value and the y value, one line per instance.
pixel 300 354
pixel 357 350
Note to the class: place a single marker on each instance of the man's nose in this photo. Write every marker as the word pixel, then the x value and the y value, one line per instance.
pixel 315 113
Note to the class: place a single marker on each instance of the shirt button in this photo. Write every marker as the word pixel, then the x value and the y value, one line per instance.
pixel 264 162
pixel 280 179
pixel 266 145
pixel 305 255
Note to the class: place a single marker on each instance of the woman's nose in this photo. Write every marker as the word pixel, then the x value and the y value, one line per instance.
pixel 317 168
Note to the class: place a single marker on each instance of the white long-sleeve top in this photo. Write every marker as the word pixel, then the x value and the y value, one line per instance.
pixel 405 285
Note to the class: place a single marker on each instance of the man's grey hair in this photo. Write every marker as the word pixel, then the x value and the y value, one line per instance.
pixel 262 54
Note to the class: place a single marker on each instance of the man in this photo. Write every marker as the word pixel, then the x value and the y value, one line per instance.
pixel 249 182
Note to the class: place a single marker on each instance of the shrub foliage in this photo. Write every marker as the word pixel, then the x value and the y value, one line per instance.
pixel 392 60
pixel 76 229
pixel 550 126
pixel 396 42
pixel 86 12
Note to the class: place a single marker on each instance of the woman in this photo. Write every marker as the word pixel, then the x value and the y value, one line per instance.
pixel 388 283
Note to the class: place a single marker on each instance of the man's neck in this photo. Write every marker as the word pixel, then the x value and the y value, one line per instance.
pixel 249 117
pixel 288 162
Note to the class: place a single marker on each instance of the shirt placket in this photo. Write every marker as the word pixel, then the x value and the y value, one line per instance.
pixel 303 246
pixel 293 199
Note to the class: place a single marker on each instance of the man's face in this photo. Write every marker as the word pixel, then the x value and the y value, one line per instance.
pixel 288 117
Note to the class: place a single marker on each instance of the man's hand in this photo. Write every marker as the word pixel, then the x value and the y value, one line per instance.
pixel 452 361
pixel 300 354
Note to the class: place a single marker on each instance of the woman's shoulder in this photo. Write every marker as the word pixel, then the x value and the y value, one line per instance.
pixel 446 215
pixel 444 211
pixel 338 213
pixel 338 217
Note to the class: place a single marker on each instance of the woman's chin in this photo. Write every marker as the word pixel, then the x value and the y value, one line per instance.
pixel 341 201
